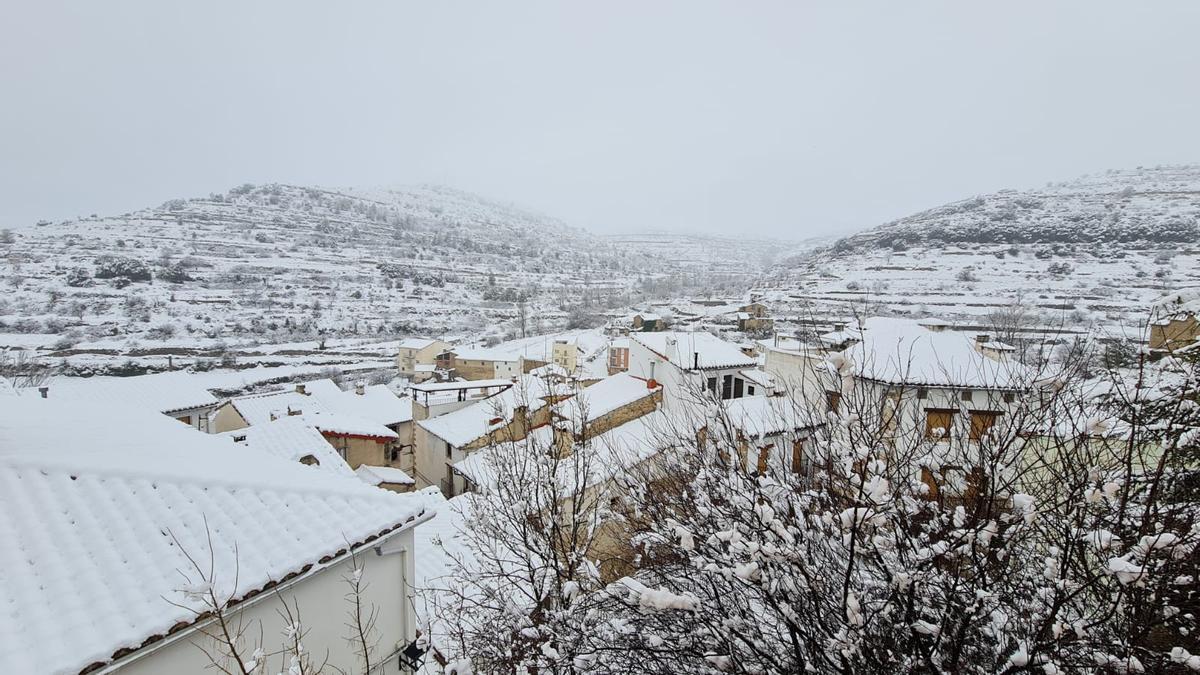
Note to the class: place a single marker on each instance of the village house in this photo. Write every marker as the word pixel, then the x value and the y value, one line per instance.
pixel 613 427
pixel 1173 322
pixel 131 529
pixel 417 357
pixel 798 369
pixel 510 415
pixel 755 309
pixel 431 399
pixel 618 356
pixel 565 354
pixel 293 439
pixel 687 363
pixel 747 322
pixel 935 385
pixel 481 363
pixel 373 403
pixel 769 432
pixel 358 440
pixel 647 322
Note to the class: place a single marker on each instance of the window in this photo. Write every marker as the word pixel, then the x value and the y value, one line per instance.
pixel 968 395
pixel 712 385
pixel 938 423
pixel 1009 397
pixel 186 419
pixel 982 422
pixel 738 383
pixel 930 481
pixel 922 393
pixel 797 456
pixel 727 387
pixel 834 399
pixel 749 390
pixel 764 456
pixel 449 451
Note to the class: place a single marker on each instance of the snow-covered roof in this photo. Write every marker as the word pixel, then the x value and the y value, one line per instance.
pixel 484 354
pixel 95 533
pixel 429 387
pixel 261 408
pixel 686 350
pixel 759 377
pixel 619 343
pixel 164 392
pixel 376 403
pixel 605 455
pixel 838 337
pixel 374 475
pixel 292 438
pixel 758 416
pixel 440 544
pixel 322 389
pixel 549 370
pixel 899 351
pixel 605 396
pixel 330 422
pixel 1178 304
pixel 462 426
pixel 417 343
pixel 648 316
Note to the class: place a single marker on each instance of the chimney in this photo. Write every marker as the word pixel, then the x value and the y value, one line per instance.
pixel 301 389
pixel 696 360
pixel 44 391
pixel 360 388
pixel 982 338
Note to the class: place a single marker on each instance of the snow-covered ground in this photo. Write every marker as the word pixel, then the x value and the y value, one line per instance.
pixel 260 272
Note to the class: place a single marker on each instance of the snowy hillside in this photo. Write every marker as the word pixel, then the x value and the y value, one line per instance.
pixel 277 264
pixel 1088 253
pixel 1144 206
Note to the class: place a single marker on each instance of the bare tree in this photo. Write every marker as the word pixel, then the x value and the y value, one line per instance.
pixel 23 371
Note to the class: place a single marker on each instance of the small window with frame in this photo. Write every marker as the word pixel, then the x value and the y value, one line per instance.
pixel 968 395
pixel 834 399
pixel 938 423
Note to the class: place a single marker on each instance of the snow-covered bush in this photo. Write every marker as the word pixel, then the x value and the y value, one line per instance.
pixel 174 272
pixel 113 267
pixel 78 277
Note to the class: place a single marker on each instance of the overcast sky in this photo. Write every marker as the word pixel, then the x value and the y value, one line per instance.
pixel 780 119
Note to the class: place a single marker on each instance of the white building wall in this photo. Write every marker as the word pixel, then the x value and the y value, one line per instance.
pixel 323 612
pixel 802 374
pixel 507 369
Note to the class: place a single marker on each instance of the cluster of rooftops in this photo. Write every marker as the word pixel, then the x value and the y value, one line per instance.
pixel 102 490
